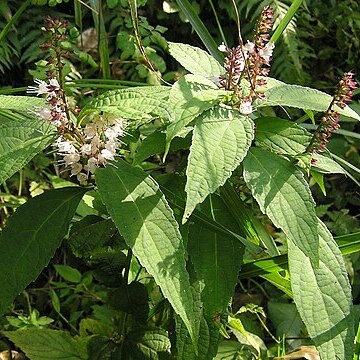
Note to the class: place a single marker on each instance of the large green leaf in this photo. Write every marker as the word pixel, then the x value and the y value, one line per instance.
pixel 195 60
pixel 279 93
pixel 20 103
pixel 220 142
pixel 31 237
pixel 284 196
pixel 189 97
pixel 323 297
pixel 281 136
pixel 135 103
pixel 145 220
pixel 20 142
pixel 45 344
pixel 216 258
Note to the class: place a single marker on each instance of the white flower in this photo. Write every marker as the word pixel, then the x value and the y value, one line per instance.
pixel 76 168
pixel 107 154
pixel 65 146
pixel 90 130
pixel 71 158
pixel 82 178
pixel 95 144
pixel 86 149
pixel 92 164
pixel 250 47
pixel 246 107
pixel 222 47
pixel 42 88
pixel 53 82
pixel 111 146
pixel 266 52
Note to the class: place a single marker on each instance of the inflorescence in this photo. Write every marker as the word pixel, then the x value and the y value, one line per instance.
pixel 250 61
pixel 330 121
pixel 83 148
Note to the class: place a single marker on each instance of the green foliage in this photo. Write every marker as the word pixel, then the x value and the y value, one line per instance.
pixel 151 232
pixel 212 223
pixel 27 235
pixel 220 142
pixel 42 344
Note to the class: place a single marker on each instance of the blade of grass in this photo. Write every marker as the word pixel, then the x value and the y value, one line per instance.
pixel 250 225
pixel 200 29
pixel 10 23
pixel 103 48
pixel 198 216
pixel 348 244
pixel 78 14
pixel 218 22
pixel 285 21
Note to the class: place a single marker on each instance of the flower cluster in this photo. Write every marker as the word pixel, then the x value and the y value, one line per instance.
pixel 249 61
pixel 56 112
pixel 97 146
pixel 83 149
pixel 330 121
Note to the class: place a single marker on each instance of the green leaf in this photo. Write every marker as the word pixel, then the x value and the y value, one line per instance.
pixel 230 350
pixel 208 340
pixel 195 60
pixel 323 297
pixel 189 97
pixel 284 196
pixel 327 165
pixel 31 237
pixel 281 136
pixel 136 103
pixel 281 94
pixel 216 258
pixel 149 344
pixel 220 142
pixel 21 103
pixel 68 273
pixel 20 142
pixel 285 319
pixel 145 220
pixel 47 344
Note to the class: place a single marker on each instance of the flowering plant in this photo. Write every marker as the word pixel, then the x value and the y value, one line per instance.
pixel 190 227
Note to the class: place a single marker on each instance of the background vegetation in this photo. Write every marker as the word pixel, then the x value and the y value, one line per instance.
pixel 86 292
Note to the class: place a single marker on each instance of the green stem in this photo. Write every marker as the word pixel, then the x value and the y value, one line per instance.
pixel 285 21
pixel 200 29
pixel 218 22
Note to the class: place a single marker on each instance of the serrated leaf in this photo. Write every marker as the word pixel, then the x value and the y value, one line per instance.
pixel 279 93
pixel 220 142
pixel 30 239
pixel 136 103
pixel 195 60
pixel 20 142
pixel 21 103
pixel 145 220
pixel 284 196
pixel 48 344
pixel 190 96
pixel 281 136
pixel 323 297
